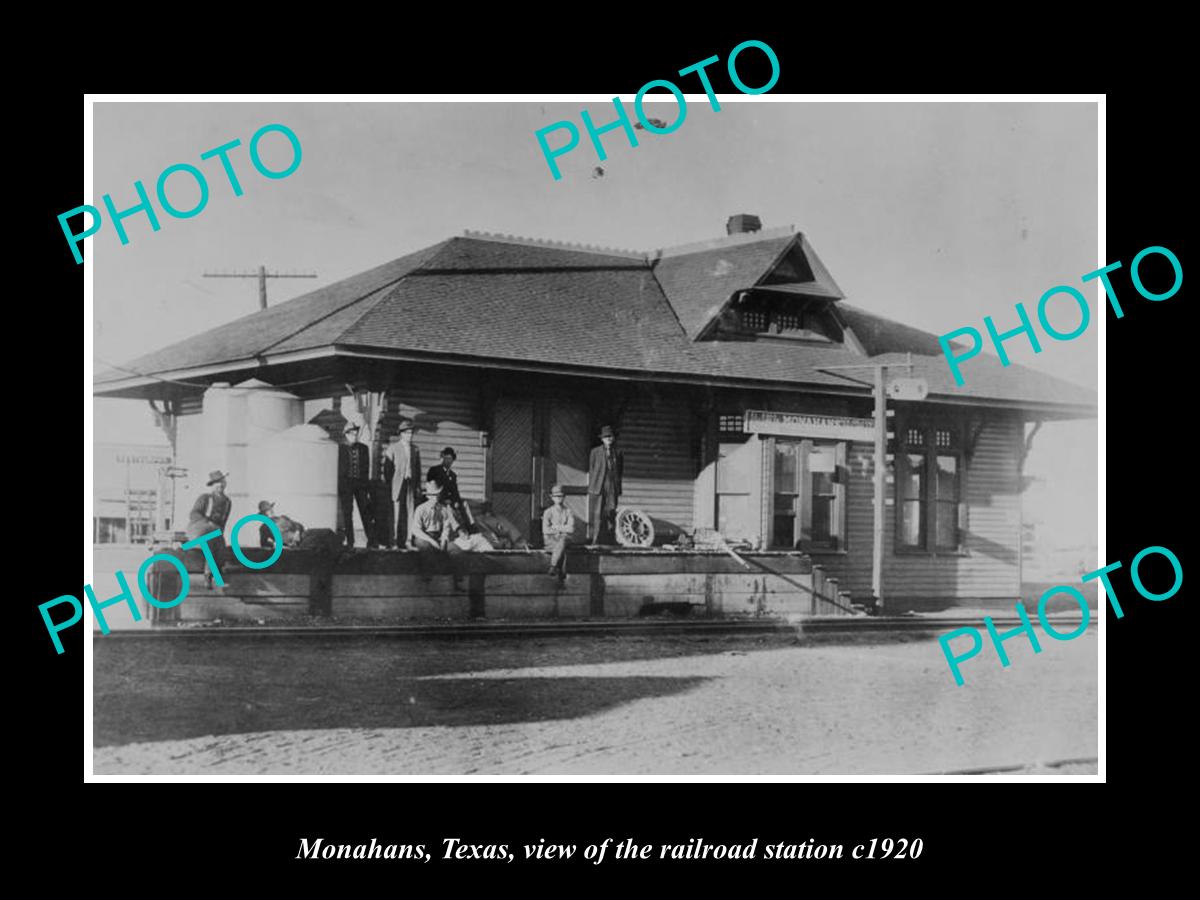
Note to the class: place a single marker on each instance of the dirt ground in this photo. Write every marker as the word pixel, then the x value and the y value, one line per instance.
pixel 593 705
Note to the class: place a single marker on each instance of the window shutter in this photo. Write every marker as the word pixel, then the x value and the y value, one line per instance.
pixel 839 516
pixel 806 497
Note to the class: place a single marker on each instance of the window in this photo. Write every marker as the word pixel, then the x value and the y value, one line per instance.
pixel 755 319
pixel 808 504
pixel 929 489
pixel 787 318
pixel 788 321
pixel 731 424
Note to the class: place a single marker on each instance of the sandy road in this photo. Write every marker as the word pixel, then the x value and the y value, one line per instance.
pixel 782 710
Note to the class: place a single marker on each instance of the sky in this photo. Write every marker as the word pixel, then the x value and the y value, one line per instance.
pixel 932 214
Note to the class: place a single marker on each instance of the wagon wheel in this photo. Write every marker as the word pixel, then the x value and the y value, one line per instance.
pixel 634 528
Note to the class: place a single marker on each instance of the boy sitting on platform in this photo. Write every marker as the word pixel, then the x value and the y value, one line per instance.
pixel 558 525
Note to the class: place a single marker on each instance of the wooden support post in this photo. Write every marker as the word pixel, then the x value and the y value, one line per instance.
pixel 476 594
pixel 320 585
pixel 880 468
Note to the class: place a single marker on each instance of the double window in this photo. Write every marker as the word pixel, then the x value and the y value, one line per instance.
pixel 793 320
pixel 929 488
pixel 808 500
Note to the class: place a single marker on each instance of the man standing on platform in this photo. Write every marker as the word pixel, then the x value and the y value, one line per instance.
pixel 604 487
pixel 402 471
pixel 354 486
pixel 447 480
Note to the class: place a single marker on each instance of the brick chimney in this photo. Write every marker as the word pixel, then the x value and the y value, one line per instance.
pixel 743 223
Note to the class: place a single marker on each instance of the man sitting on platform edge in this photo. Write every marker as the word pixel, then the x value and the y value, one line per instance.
pixel 210 513
pixel 436 531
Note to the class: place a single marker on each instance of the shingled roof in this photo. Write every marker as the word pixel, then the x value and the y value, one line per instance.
pixel 542 305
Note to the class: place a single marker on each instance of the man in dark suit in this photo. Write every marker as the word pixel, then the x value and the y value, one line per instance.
pixel 354 486
pixel 604 487
pixel 447 480
pixel 446 477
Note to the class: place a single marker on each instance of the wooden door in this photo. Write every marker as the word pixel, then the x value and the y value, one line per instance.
pixel 737 487
pixel 567 445
pixel 513 477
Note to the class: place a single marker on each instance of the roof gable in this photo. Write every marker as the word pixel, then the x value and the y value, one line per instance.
pixel 700 280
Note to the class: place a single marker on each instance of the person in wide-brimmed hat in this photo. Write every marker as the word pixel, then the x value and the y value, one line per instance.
pixel 209 513
pixel 291 530
pixel 604 486
pixel 434 525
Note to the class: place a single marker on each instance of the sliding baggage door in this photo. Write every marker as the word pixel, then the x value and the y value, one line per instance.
pixel 513 463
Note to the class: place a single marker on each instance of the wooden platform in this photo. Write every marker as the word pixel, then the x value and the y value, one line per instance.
pixel 503 584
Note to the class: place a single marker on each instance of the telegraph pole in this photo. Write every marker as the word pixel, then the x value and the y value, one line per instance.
pixel 901 389
pixel 262 275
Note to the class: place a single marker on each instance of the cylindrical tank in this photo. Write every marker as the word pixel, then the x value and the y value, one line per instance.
pixel 235 417
pixel 297 471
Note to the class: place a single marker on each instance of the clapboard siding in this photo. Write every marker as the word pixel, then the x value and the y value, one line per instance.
pixel 989 570
pixel 446 414
pixel 659 467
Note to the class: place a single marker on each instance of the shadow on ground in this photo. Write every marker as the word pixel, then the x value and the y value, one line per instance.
pixel 171 689
pixel 241 705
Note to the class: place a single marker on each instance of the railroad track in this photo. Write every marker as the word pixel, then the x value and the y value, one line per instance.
pixel 657 627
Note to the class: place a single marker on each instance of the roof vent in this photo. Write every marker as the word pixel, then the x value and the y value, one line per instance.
pixel 743 223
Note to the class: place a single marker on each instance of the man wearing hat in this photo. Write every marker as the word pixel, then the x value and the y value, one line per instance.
pixel 558 524
pixel 604 486
pixel 402 472
pixel 354 486
pixel 433 526
pixel 446 477
pixel 291 530
pixel 210 513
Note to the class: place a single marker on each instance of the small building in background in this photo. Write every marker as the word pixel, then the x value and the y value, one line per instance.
pixel 133 492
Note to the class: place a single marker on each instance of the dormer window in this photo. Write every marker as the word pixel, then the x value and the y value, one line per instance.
pixel 783 317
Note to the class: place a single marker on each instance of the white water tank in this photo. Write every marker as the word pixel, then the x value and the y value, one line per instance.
pixel 295 469
pixel 236 417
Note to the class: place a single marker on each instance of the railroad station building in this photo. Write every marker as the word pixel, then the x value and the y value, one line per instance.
pixel 741 384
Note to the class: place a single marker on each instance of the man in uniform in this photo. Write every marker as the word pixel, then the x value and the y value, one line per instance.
pixel 210 513
pixel 402 472
pixel 354 486
pixel 604 487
